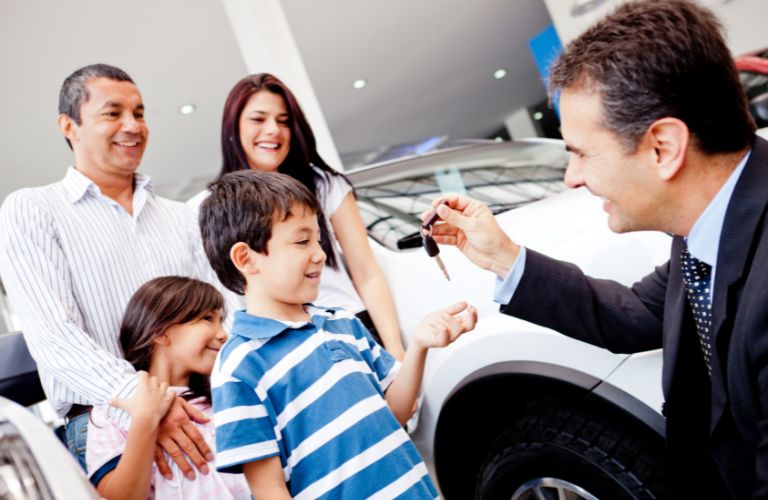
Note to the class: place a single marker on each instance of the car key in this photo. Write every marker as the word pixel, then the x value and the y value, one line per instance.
pixel 430 245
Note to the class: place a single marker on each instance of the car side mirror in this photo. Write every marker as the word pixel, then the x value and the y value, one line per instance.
pixel 758 106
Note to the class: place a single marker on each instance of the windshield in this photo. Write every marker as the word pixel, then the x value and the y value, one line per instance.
pixel 391 209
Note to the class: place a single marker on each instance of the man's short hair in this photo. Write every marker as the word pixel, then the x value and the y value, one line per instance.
pixel 660 58
pixel 243 206
pixel 74 90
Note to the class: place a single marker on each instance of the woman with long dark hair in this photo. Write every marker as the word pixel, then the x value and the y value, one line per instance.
pixel 263 128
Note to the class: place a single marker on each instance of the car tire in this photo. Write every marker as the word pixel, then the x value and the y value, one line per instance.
pixel 566 453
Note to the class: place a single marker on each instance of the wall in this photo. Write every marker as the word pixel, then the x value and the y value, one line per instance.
pixel 744 20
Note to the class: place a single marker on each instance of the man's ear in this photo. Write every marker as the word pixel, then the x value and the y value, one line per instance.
pixel 67 126
pixel 669 144
pixel 242 257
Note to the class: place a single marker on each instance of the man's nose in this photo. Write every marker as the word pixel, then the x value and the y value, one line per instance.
pixel 132 124
pixel 573 175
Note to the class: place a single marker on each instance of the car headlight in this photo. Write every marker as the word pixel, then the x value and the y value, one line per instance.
pixel 20 476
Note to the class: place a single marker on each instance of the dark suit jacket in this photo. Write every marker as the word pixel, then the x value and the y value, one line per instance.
pixel 727 420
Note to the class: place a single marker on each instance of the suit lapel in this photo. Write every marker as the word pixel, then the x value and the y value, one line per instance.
pixel 674 311
pixel 744 213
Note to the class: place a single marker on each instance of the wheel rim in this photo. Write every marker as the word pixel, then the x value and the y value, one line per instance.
pixel 550 488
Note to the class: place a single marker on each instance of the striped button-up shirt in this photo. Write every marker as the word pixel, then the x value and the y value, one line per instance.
pixel 70 259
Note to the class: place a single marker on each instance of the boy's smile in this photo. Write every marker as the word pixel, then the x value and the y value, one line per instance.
pixel 288 274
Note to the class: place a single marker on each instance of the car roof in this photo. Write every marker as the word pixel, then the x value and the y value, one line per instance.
pixel 509 153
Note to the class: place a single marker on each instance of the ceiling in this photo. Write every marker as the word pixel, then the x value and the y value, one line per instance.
pixel 429 66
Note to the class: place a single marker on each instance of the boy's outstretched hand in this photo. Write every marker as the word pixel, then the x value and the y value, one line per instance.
pixel 437 329
pixel 440 328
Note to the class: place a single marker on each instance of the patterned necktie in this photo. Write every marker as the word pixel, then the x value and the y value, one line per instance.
pixel 696 275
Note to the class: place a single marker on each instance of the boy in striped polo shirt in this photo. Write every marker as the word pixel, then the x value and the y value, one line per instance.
pixel 306 404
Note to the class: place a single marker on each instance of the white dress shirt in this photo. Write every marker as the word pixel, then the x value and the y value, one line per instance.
pixel 70 259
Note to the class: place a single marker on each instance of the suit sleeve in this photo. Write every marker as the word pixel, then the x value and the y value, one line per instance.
pixel 601 312
pixel 757 349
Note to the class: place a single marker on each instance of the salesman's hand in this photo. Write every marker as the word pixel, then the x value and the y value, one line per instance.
pixel 471 227
pixel 179 437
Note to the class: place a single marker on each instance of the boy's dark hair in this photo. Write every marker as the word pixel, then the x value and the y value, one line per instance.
pixel 158 305
pixel 660 58
pixel 74 90
pixel 242 206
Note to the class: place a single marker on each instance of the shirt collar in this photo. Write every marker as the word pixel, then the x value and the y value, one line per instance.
pixel 704 238
pixel 77 184
pixel 259 327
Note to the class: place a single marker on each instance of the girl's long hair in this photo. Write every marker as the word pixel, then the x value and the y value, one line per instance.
pixel 302 153
pixel 158 305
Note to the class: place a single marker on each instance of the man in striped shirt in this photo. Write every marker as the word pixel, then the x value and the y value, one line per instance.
pixel 72 253
pixel 306 404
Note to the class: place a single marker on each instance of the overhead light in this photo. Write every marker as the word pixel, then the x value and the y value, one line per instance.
pixel 500 73
pixel 359 83
pixel 187 109
pixel 538 115
pixel 580 7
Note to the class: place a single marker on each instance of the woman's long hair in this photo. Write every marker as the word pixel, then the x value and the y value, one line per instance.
pixel 302 152
pixel 158 305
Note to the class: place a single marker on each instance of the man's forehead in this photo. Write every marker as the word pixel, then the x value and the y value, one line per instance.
pixel 105 91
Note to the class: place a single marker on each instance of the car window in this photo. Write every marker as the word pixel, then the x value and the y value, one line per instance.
pixel 391 209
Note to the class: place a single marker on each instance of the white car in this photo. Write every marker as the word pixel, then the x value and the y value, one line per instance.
pixel 514 410
pixel 34 464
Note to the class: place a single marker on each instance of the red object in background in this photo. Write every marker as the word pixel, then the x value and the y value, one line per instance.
pixel 753 63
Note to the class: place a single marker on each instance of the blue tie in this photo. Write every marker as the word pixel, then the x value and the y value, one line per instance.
pixel 696 275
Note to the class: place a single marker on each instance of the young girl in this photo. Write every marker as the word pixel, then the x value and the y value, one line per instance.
pixel 171 333
pixel 263 128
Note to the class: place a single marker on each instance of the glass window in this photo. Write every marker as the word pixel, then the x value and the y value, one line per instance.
pixel 391 209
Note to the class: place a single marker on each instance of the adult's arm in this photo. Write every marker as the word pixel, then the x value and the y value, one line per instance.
pixel 37 277
pixel 366 274
pixel 553 293
pixel 605 313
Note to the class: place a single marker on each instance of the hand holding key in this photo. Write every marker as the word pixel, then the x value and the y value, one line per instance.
pixel 470 226
pixel 429 242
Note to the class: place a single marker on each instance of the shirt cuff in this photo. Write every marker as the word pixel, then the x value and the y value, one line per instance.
pixel 505 289
pixel 118 415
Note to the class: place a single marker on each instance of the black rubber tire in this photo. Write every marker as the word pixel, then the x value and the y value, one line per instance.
pixel 594 452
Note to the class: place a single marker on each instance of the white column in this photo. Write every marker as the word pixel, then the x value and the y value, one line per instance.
pixel 267 46
pixel 519 125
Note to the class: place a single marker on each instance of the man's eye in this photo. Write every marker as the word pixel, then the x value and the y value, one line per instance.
pixel 138 116
pixel 302 242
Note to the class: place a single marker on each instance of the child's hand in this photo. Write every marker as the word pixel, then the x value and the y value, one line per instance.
pixel 150 401
pixel 440 328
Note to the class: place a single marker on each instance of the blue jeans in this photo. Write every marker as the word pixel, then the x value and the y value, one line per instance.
pixel 77 433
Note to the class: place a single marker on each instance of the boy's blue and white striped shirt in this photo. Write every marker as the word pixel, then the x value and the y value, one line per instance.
pixel 312 394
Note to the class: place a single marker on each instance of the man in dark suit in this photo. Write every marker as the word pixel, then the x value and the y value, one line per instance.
pixel 657 125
